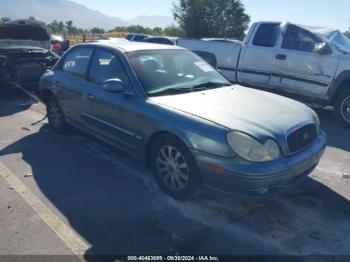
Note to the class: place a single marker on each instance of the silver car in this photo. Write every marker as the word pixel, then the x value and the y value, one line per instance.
pixel 168 107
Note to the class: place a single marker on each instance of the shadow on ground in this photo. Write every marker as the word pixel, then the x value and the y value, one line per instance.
pixel 111 201
pixel 13 101
pixel 337 136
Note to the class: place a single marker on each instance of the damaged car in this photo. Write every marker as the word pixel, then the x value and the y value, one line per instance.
pixel 25 54
pixel 167 106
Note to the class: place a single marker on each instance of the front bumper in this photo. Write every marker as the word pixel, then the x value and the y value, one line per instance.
pixel 257 179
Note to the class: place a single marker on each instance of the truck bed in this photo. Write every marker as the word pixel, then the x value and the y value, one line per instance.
pixel 225 52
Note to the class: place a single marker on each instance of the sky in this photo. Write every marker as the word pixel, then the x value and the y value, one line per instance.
pixel 330 13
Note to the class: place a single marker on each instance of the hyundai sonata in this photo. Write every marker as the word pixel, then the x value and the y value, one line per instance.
pixel 167 106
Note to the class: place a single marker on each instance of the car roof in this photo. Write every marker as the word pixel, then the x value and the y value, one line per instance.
pixel 125 46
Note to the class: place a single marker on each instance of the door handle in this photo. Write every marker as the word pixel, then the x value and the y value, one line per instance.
pixel 88 95
pixel 281 57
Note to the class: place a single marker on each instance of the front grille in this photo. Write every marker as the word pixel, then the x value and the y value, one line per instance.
pixel 301 138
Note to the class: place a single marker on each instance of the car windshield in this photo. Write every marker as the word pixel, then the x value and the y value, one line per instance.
pixel 166 72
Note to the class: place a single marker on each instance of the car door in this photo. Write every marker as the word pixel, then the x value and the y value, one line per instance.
pixel 298 65
pixel 69 81
pixel 106 113
pixel 255 63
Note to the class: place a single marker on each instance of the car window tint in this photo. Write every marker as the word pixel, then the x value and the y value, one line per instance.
pixel 166 42
pixel 104 66
pixel 155 40
pixel 76 62
pixel 296 38
pixel 266 35
pixel 139 38
pixel 207 57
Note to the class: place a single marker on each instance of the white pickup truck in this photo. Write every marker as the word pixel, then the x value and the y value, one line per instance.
pixel 307 63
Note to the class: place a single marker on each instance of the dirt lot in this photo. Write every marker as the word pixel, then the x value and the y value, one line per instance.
pixel 72 194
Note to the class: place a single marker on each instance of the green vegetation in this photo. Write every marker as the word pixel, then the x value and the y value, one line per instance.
pixel 212 18
pixel 5 19
pixel 168 31
pixel 66 27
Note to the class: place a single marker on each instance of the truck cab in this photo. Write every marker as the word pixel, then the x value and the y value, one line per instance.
pixel 311 64
pixel 289 58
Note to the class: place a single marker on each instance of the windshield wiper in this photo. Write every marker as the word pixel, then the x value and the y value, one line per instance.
pixel 209 85
pixel 199 87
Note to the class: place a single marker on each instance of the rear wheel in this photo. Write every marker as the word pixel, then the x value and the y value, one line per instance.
pixel 174 168
pixel 342 108
pixel 55 115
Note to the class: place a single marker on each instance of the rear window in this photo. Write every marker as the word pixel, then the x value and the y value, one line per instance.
pixel 154 40
pixel 139 38
pixel 266 35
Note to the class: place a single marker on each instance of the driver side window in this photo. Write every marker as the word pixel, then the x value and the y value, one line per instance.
pixel 296 38
pixel 104 66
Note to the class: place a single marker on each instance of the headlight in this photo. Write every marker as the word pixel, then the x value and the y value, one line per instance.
pixel 251 149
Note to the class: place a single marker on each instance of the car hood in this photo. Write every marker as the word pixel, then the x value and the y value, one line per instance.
pixel 31 34
pixel 255 112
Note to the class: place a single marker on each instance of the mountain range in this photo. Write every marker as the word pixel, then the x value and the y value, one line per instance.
pixel 82 16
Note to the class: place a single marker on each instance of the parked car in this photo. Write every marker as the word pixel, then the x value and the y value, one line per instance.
pixel 24 53
pixel 164 40
pixel 136 37
pixel 309 64
pixel 167 106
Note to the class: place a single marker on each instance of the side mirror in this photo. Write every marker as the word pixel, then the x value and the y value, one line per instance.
pixel 114 85
pixel 322 49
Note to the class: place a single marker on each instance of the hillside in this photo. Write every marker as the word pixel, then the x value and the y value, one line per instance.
pixel 64 10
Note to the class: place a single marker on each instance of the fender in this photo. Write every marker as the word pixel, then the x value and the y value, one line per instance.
pixel 337 84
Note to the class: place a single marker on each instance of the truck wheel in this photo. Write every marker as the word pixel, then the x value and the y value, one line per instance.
pixel 342 108
pixel 174 168
pixel 55 115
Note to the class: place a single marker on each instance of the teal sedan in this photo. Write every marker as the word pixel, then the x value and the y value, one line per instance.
pixel 171 109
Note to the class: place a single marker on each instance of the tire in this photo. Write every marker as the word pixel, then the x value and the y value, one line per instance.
pixel 176 172
pixel 342 108
pixel 55 115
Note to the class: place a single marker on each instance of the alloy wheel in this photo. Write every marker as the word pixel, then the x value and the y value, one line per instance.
pixel 55 115
pixel 345 109
pixel 173 168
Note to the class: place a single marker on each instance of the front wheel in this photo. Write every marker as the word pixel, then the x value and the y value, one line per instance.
pixel 342 108
pixel 174 168
pixel 55 115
